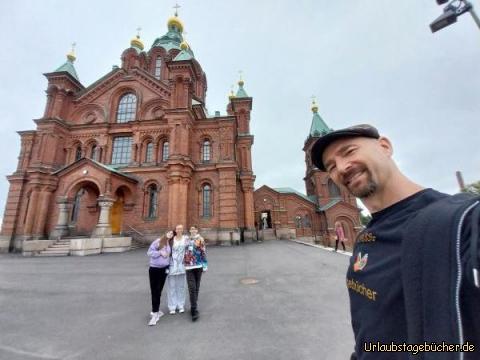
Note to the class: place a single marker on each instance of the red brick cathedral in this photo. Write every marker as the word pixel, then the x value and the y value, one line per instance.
pixel 134 153
pixel 287 213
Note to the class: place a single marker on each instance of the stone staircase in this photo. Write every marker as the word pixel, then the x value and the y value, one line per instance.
pixel 59 248
pixel 137 245
pixel 138 239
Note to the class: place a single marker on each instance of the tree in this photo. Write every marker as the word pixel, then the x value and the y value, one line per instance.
pixel 473 188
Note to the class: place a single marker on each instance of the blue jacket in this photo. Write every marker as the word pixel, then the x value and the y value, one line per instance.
pixel 439 258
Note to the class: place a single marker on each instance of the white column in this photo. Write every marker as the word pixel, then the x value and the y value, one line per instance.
pixel 103 227
pixel 61 229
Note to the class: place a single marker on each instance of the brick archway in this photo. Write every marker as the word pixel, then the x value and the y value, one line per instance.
pixel 83 216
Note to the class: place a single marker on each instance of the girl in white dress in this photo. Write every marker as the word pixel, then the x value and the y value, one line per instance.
pixel 176 275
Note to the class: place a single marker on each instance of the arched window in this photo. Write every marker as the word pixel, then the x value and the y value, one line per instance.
pixel 307 223
pixel 298 222
pixel 152 201
pixel 206 151
pixel 158 67
pixel 127 107
pixel 94 152
pixel 333 189
pixel 76 205
pixel 78 153
pixel 149 152
pixel 165 151
pixel 206 201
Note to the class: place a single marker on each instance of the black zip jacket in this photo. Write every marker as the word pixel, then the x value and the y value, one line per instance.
pixel 440 255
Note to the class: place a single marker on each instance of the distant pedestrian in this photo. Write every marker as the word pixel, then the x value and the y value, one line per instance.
pixel 159 253
pixel 339 235
pixel 176 276
pixel 195 261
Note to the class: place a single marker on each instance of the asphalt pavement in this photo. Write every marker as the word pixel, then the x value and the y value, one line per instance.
pixel 97 307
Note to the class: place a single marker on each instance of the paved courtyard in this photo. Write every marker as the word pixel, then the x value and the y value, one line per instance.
pixel 98 307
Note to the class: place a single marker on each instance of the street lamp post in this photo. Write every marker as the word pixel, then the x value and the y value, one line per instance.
pixel 451 12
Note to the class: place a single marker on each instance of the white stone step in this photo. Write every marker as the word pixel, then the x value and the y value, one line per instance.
pixel 45 254
pixel 54 251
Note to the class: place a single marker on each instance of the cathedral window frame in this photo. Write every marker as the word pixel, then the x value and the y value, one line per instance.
pixel 334 191
pixel 76 205
pixel 78 152
pixel 206 193
pixel 165 150
pixel 206 150
pixel 93 150
pixel 148 156
pixel 123 145
pixel 152 191
pixel 157 70
pixel 126 110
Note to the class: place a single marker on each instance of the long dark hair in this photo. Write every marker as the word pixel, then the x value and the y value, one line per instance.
pixel 164 240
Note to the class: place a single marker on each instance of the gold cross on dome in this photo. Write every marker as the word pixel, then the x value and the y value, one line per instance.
pixel 176 7
pixel 138 31
pixel 313 99
pixel 240 72
pixel 73 46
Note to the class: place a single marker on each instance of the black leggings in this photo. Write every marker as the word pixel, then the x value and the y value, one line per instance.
pixel 336 245
pixel 157 278
pixel 194 276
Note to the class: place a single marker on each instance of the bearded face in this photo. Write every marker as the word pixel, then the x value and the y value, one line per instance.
pixel 358 164
pixel 359 182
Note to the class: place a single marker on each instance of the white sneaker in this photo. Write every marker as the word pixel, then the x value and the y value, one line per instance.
pixel 154 319
pixel 181 310
pixel 172 312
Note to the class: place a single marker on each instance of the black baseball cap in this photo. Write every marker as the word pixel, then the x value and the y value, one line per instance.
pixel 363 130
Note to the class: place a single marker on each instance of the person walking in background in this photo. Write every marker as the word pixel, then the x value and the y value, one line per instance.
pixel 339 235
pixel 176 275
pixel 195 261
pixel 159 253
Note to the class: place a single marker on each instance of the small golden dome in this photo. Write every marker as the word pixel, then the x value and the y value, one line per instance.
pixel 314 106
pixel 175 21
pixel 240 82
pixel 71 56
pixel 231 95
pixel 184 45
pixel 136 42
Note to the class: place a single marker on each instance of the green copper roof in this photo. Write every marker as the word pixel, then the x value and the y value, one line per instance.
pixel 329 204
pixel 319 127
pixel 241 93
pixel 288 190
pixel 68 67
pixel 183 55
pixel 171 40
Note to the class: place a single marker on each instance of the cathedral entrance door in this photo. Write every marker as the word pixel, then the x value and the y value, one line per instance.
pixel 116 214
pixel 265 220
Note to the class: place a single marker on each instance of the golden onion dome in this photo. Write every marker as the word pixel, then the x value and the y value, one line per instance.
pixel 184 45
pixel 71 56
pixel 231 95
pixel 136 42
pixel 314 106
pixel 240 82
pixel 175 21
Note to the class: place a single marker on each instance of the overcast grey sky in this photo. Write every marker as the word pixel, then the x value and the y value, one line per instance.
pixel 370 61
